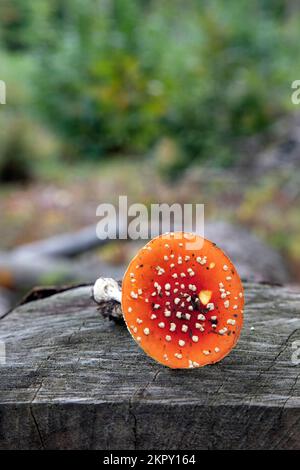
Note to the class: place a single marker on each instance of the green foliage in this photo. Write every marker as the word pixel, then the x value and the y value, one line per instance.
pixel 15 19
pixel 24 143
pixel 117 76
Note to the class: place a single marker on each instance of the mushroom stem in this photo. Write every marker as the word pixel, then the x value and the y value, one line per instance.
pixel 106 289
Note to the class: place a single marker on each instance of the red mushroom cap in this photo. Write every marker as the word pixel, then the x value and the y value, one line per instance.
pixel 182 301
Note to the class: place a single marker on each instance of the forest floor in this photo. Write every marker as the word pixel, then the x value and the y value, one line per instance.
pixel 267 202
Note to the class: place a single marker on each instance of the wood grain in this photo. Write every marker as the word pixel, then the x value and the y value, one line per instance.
pixel 75 380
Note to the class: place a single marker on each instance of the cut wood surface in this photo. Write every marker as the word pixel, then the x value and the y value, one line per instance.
pixel 75 380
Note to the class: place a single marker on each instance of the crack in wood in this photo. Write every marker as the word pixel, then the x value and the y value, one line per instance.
pixel 37 427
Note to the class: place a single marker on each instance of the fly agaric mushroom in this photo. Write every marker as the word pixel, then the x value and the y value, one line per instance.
pixel 183 306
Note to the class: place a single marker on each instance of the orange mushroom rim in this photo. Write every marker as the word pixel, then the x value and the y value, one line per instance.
pixel 183 307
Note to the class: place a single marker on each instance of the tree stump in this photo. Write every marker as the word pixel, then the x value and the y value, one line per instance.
pixel 72 379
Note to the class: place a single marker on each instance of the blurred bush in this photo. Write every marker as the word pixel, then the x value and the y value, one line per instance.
pixel 117 76
pixel 24 147
pixel 25 143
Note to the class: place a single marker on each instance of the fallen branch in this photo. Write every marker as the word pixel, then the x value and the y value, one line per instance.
pixel 24 272
pixel 48 261
pixel 64 245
